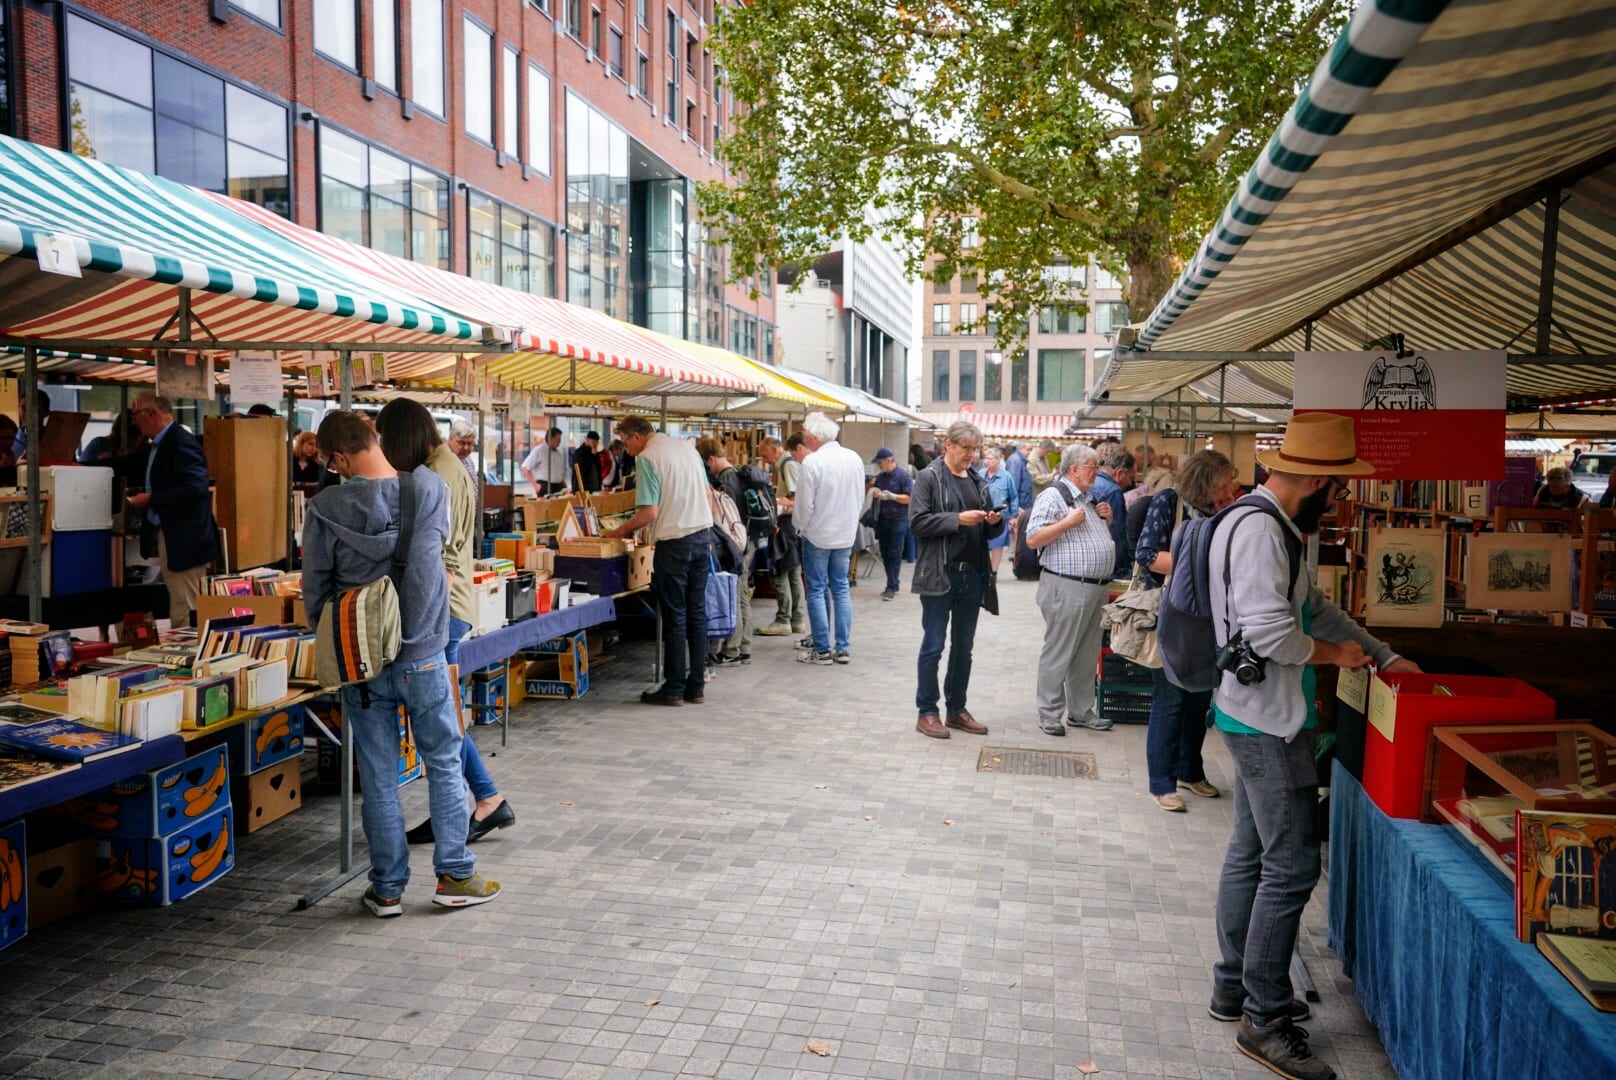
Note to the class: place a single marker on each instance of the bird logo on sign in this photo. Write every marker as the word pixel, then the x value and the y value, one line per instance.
pixel 1392 384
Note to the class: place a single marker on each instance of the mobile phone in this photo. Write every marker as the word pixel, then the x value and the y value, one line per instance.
pixel 1001 508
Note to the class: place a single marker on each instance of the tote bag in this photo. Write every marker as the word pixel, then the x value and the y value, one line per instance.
pixel 722 601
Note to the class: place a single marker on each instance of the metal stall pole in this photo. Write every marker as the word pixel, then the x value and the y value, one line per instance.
pixel 36 550
pixel 291 465
pixel 482 470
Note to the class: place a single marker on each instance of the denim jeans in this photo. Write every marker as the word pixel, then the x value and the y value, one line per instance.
pixel 822 569
pixel 422 688
pixel 471 762
pixel 893 535
pixel 1269 871
pixel 1177 730
pixel 679 573
pixel 960 605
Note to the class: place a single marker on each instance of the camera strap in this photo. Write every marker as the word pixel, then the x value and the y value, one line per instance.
pixel 1293 550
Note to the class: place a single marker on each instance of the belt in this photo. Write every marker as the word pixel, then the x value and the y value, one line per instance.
pixel 961 564
pixel 1074 577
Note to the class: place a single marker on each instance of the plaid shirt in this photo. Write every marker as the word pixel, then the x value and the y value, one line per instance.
pixel 1086 551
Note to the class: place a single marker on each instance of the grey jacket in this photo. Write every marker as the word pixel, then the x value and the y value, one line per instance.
pixel 934 519
pixel 1256 604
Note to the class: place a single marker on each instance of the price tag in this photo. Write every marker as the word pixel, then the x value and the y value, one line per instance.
pixel 1352 688
pixel 58 254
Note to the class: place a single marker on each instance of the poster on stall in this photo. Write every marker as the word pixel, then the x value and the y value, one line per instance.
pixel 378 368
pixel 361 370
pixel 465 371
pixel 521 413
pixel 255 378
pixel 319 376
pixel 1419 416
pixel 183 375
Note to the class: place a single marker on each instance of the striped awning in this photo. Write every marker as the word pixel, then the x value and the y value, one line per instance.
pixel 1406 192
pixel 137 239
pixel 781 397
pixel 1006 425
pixel 852 401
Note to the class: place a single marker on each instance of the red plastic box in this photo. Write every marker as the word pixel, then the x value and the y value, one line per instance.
pixel 1398 739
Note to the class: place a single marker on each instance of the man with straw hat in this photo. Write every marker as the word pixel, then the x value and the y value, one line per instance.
pixel 1264 709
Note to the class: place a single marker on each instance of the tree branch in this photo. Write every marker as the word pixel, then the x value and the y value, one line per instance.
pixel 1009 184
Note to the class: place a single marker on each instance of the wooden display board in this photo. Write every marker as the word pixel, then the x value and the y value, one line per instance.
pixel 248 462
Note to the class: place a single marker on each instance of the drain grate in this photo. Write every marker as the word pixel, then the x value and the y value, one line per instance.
pixel 1072 764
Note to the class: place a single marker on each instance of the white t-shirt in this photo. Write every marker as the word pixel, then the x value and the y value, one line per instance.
pixel 830 493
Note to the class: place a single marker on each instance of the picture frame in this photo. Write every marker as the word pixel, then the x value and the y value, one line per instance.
pixel 1407 577
pixel 1519 571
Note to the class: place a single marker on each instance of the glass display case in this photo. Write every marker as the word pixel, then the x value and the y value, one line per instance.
pixel 1479 776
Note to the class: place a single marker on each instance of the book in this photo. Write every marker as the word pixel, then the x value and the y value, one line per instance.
pixel 169 656
pixel 264 684
pixel 151 711
pixel 207 701
pixel 64 739
pixel 14 712
pixel 56 659
pixel 19 769
pixel 1589 964
pixel 1561 858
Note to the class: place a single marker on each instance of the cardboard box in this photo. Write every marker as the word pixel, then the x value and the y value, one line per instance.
pixel 597 576
pixel 488 605
pixel 639 567
pixel 328 755
pixel 159 802
pixel 13 884
pixel 266 610
pixel 162 870
pixel 61 882
pixel 488 698
pixel 559 667
pixel 267 796
pixel 516 681
pixel 267 739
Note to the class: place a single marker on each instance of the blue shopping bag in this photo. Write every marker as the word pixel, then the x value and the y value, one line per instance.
pixel 722 601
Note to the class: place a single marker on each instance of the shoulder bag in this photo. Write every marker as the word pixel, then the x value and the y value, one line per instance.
pixel 361 630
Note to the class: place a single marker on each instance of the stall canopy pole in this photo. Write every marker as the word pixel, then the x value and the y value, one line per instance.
pixel 345 391
pixel 482 470
pixel 1551 251
pixel 291 491
pixel 36 551
pixel 664 414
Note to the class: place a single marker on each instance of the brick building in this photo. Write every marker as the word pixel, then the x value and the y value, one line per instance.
pixel 546 145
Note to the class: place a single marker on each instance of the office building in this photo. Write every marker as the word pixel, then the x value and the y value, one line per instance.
pixel 850 321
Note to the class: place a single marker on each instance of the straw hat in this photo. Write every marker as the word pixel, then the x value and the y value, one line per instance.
pixel 1317 444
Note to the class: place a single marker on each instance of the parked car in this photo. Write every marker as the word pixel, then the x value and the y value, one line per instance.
pixel 1591 472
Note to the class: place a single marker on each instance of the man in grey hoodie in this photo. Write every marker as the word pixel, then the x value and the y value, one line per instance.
pixel 349 539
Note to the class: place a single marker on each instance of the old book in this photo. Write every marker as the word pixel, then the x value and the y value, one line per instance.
pixel 1558 857
pixel 19 769
pixel 64 739
pixel 1589 964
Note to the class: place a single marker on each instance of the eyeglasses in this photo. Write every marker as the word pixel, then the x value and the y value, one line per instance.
pixel 146 411
pixel 969 448
pixel 1342 491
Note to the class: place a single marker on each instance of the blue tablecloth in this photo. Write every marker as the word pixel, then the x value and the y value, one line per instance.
pixel 92 777
pixel 501 644
pixel 1428 936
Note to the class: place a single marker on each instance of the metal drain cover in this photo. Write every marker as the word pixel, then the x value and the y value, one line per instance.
pixel 1072 764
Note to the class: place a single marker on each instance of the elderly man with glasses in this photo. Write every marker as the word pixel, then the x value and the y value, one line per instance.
pixel 177 510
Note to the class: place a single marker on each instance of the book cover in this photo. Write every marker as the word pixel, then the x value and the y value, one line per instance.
pixel 13 712
pixel 265 684
pixel 64 739
pixel 1589 964
pixel 208 701
pixel 56 657
pixel 1565 873
pixel 19 769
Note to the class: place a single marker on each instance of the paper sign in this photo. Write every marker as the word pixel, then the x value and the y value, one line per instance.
pixel 58 254
pixel 319 376
pixel 485 391
pixel 378 368
pixel 255 377
pixel 1352 688
pixel 361 370
pixel 1383 709
pixel 184 375
pixel 465 370
pixel 521 412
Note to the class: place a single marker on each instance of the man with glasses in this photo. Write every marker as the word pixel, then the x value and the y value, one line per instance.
pixel 463 441
pixel 175 505
pixel 546 467
pixel 1072 535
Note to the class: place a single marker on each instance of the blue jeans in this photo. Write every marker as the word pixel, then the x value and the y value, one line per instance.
pixel 961 605
pixel 679 574
pixel 893 535
pixel 471 762
pixel 1177 730
pixel 824 568
pixel 1269 871
pixel 422 688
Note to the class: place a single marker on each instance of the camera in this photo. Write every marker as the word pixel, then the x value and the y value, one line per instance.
pixel 1246 666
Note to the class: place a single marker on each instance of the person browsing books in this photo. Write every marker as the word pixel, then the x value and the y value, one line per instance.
pixel 177 510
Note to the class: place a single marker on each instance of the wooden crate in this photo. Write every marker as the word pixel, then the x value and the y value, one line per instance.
pixel 248 461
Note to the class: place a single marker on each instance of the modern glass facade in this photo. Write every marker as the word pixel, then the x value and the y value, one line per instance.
pixel 509 247
pixel 374 198
pixel 597 210
pixel 660 292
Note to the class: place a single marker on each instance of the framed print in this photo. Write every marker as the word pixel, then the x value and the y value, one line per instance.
pixel 1407 572
pixel 1519 571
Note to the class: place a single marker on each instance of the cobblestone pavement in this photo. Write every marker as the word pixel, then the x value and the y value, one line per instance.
pixel 710 891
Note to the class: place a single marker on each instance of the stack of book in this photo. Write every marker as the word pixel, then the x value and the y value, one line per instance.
pixel 23 643
pixel 260 582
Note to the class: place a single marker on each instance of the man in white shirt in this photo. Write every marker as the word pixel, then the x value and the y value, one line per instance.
pixel 546 467
pixel 830 490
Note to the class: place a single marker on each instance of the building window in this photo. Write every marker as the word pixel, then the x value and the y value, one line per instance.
pixel 614 56
pixel 967 323
pixel 597 38
pixel 943 287
pixel 642 14
pixel 426 55
pixel 478 86
pixel 692 46
pixel 939 375
pixel 575 19
pixel 690 118
pixel 384 40
pixel 156 114
pixel 510 94
pixel 268 11
pixel 508 247
pixel 968 284
pixel 992 375
pixel 1109 316
pixel 939 318
pixel 1059 319
pixel 1060 374
pixel 538 119
pixel 743 334
pixel 768 345
pixel 336 32
pixel 1018 375
pixel 642 78
pixel 670 111
pixel 1105 279
pixel 597 210
pixel 968 238
pixel 967 375
pixel 370 197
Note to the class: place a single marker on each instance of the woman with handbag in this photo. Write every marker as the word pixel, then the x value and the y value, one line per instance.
pixel 1206 484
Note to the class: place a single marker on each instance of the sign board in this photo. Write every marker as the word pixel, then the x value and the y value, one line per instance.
pixel 184 375
pixel 319 376
pixel 1423 416
pixel 254 378
pixel 58 254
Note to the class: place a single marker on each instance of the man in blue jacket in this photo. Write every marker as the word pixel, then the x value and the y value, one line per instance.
pixel 1016 466
pixel 176 506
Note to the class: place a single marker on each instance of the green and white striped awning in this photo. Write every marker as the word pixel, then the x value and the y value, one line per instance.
pixel 1406 192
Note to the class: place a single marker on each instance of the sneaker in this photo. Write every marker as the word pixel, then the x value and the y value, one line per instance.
pixel 806 643
pixel 778 629
pixel 888 594
pixel 728 661
pixel 383 908
pixel 842 656
pixel 464 892
pixel 1204 788
pixel 1053 727
pixel 1282 1047
pixel 1093 723
pixel 1230 1010
pixel 1171 803
pixel 814 656
pixel 798 628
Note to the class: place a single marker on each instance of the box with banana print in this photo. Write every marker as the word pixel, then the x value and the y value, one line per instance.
pixel 161 870
pixel 162 801
pixel 265 740
pixel 13 884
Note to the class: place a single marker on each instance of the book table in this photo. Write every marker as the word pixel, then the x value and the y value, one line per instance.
pixel 1428 938
pixel 15 802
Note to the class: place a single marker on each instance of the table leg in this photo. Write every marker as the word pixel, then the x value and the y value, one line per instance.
pixel 1301 980
pixel 347 871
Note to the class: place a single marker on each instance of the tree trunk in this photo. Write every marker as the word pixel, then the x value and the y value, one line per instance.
pixel 1150 276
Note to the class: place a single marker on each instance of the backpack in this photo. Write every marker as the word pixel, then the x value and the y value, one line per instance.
pixel 1185 632
pixel 1027 565
pixel 728 524
pixel 759 510
pixel 361 630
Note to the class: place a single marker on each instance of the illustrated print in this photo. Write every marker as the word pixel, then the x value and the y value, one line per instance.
pixel 1519 570
pixel 1405 579
pixel 1392 384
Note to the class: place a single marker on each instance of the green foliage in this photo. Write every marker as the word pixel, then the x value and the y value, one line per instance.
pixel 1107 127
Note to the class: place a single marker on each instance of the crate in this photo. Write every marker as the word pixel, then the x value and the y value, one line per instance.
pixel 61 882
pixel 267 739
pixel 267 796
pixel 1123 707
pixel 591 574
pixel 558 668
pixel 592 547
pixel 13 884
pixel 1120 673
pixel 161 870
pixel 159 802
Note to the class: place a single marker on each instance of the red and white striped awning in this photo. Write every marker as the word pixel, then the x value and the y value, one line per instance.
pixel 1007 425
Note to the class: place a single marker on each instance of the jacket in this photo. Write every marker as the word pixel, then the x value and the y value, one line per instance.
pixel 1016 466
pixel 934 521
pixel 179 498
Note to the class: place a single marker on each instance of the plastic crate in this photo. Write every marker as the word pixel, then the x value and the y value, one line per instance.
pixel 1120 673
pixel 1123 707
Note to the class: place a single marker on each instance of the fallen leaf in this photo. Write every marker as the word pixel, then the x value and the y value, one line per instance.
pixel 653 1001
pixel 816 1046
pixel 867 817
pixel 1088 1068
pixel 821 787
pixel 948 821
pixel 566 802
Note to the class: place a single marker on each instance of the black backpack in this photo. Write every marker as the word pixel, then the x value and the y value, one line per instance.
pixel 758 508
pixel 1026 566
pixel 1184 627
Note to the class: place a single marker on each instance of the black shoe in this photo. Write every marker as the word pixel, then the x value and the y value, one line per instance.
pixel 1230 1010
pixel 889 594
pixel 695 699
pixel 1053 727
pixel 421 834
pixel 658 697
pixel 502 817
pixel 1282 1047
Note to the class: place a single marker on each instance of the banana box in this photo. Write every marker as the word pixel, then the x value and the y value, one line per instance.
pixel 161 870
pixel 159 802
pixel 266 796
pixel 265 740
pixel 61 881
pixel 13 884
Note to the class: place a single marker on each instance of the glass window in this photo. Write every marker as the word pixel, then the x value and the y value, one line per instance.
pixel 944 287
pixel 575 18
pixel 967 323
pixel 1018 375
pixel 673 34
pixel 939 375
pixel 336 31
pixel 370 197
pixel 967 375
pixel 483 227
pixel 1109 316
pixel 968 239
pixel 1060 374
pixel 264 10
pixel 1059 319
pixel 597 32
pixel 642 12
pixel 111 129
pixel 614 57
pixel 510 96
pixel 538 119
pixel 98 57
pixel 597 210
pixel 642 80
pixel 384 42
pixel 479 82
pixel 968 283
pixel 189 96
pixel 426 55
pixel 992 375
pixel 940 318
pixel 1105 279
